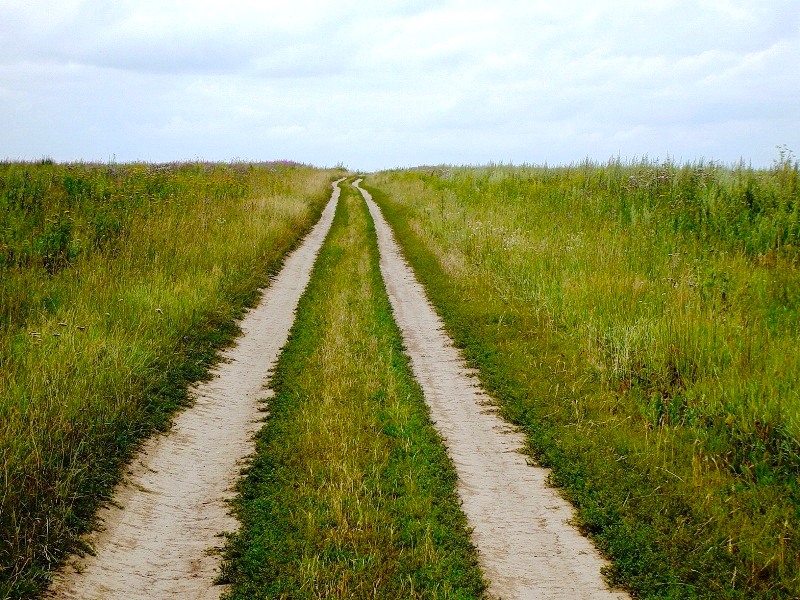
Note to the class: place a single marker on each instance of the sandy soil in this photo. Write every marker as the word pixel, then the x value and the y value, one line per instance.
pixel 171 509
pixel 521 527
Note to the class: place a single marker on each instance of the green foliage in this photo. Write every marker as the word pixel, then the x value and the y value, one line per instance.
pixel 640 322
pixel 117 286
pixel 351 493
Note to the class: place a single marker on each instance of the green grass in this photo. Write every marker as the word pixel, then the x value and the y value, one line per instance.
pixel 350 493
pixel 118 284
pixel 640 322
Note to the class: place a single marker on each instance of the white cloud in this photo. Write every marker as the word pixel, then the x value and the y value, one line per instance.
pixel 382 84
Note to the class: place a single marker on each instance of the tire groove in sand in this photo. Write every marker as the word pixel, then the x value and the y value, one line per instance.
pixel 526 546
pixel 172 506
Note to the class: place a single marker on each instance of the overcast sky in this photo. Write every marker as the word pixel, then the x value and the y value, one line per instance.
pixel 399 83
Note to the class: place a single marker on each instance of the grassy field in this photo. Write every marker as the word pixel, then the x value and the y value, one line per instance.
pixel 640 322
pixel 117 285
pixel 351 494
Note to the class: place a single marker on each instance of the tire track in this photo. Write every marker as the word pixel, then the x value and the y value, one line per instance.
pixel 171 510
pixel 526 545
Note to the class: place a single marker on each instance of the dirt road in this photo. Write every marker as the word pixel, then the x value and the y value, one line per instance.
pixel 520 525
pixel 171 509
pixel 172 505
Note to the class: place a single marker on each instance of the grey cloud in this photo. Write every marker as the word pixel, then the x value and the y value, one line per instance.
pixel 381 84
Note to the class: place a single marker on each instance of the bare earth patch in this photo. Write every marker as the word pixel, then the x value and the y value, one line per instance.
pixel 526 545
pixel 159 538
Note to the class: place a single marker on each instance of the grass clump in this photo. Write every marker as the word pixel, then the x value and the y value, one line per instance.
pixel 350 493
pixel 118 284
pixel 640 322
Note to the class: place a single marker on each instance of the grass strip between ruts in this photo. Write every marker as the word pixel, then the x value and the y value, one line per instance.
pixel 350 493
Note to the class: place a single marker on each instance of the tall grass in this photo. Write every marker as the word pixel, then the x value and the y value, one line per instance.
pixel 351 494
pixel 641 321
pixel 117 285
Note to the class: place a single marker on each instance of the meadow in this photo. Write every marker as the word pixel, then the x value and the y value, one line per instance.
pixel 640 322
pixel 118 284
